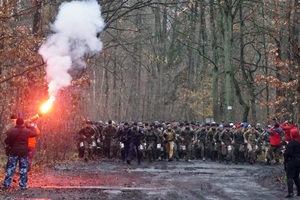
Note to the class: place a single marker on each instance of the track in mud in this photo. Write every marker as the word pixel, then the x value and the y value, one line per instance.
pixel 159 180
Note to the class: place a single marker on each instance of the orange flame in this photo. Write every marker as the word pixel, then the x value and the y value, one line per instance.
pixel 46 106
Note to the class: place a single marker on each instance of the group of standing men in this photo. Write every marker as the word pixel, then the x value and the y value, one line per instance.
pixel 157 141
pixel 129 141
pixel 101 140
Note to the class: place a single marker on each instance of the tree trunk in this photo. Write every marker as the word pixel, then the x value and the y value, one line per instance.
pixel 246 78
pixel 37 16
pixel 228 62
pixel 215 58
pixel 266 63
pixel 106 94
pixel 296 51
pixel 241 101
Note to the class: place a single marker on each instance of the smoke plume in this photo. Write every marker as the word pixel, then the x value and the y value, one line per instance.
pixel 74 36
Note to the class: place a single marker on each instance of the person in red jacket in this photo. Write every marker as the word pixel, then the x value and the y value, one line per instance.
pixel 287 126
pixel 275 143
pixel 31 145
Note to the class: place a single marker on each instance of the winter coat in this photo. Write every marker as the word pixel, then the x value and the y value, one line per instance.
pixel 123 134
pixel 32 140
pixel 87 133
pixel 226 136
pixel 287 129
pixel 187 135
pixel 136 135
pixel 292 151
pixel 251 136
pixel 275 136
pixel 109 132
pixel 151 136
pixel 170 135
pixel 17 140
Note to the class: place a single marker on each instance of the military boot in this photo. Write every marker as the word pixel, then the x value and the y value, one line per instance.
pixel 268 162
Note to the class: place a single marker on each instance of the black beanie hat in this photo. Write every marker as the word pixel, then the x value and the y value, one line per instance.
pixel 20 121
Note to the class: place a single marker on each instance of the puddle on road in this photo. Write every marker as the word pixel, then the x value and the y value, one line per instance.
pixel 195 169
pixel 113 191
pixel 31 199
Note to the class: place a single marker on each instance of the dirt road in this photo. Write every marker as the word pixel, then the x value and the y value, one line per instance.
pixel 159 180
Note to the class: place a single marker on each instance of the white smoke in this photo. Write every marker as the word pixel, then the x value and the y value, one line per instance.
pixel 74 35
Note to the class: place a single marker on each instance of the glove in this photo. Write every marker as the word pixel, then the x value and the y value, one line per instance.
pixel 40 114
pixel 34 125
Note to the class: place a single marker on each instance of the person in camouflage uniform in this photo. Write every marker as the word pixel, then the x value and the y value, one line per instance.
pixel 251 137
pixel 87 137
pixel 265 138
pixel 160 142
pixel 226 138
pixel 99 139
pixel 200 145
pixel 170 136
pixel 165 142
pixel 187 135
pixel 244 130
pixel 239 146
pixel 260 141
pixel 96 137
pixel 176 143
pixel 108 133
pixel 210 142
pixel 194 127
pixel 151 139
pixel 218 147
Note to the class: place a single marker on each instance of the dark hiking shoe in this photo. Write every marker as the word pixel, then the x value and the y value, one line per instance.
pixel 268 163
pixel 289 195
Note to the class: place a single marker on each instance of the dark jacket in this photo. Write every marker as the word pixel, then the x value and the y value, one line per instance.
pixel 292 151
pixel 17 140
pixel 87 133
pixel 135 135
pixel 123 134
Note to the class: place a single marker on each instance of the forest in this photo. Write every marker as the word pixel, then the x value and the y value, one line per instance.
pixel 162 60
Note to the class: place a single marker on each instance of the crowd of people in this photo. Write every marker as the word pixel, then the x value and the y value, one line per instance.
pixel 159 141
pixel 224 142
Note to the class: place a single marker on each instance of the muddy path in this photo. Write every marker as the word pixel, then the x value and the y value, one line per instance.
pixel 159 180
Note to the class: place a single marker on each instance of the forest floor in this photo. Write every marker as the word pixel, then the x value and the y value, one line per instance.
pixel 112 179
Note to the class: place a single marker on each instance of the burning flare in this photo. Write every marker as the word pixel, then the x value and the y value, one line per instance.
pixel 46 106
